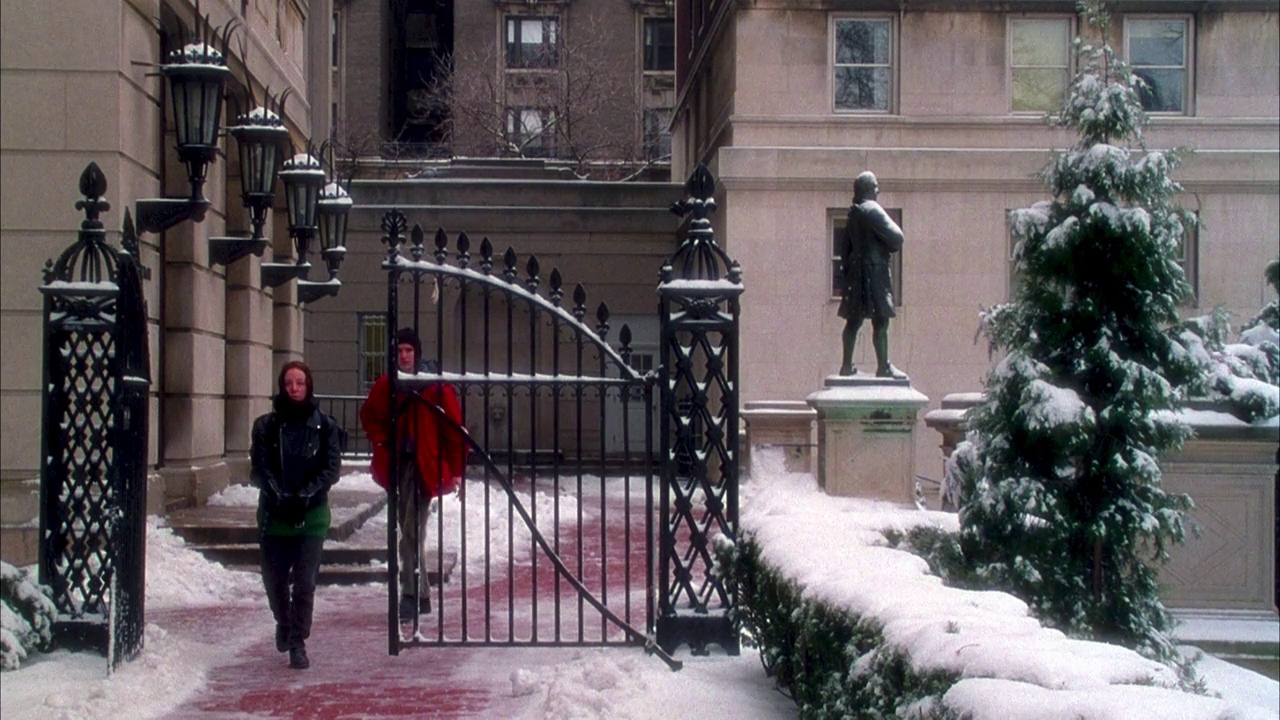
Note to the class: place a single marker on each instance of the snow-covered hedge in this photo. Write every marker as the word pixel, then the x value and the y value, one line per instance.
pixel 853 627
pixel 26 616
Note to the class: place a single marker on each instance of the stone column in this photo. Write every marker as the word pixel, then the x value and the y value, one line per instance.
pixel 866 437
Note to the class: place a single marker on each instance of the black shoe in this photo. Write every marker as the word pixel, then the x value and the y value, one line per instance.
pixel 298 658
pixel 282 638
pixel 407 607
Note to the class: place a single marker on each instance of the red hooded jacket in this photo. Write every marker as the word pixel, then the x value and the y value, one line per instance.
pixel 441 449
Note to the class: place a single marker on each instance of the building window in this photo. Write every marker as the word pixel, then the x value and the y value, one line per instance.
pixel 837 219
pixel 1039 63
pixel 659 44
pixel 531 42
pixel 1015 275
pixel 532 131
pixel 1188 257
pixel 1158 52
pixel 372 347
pixel 862 67
pixel 657 133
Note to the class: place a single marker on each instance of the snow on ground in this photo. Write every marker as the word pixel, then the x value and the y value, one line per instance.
pixel 75 686
pixel 626 684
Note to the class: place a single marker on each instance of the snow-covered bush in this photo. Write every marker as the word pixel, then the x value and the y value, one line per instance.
pixel 26 616
pixel 831 663
pixel 1062 499
pixel 1243 376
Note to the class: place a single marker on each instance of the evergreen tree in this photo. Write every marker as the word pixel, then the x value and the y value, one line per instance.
pixel 1062 502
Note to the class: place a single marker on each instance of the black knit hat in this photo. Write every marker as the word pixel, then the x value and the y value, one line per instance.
pixel 407 336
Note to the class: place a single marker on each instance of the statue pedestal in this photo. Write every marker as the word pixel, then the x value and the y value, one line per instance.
pixel 866 437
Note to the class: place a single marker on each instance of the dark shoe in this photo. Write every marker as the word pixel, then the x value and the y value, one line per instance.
pixel 298 658
pixel 847 370
pixel 407 607
pixel 282 638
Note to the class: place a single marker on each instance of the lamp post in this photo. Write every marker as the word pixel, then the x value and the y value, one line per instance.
pixel 261 138
pixel 302 177
pixel 197 75
pixel 332 209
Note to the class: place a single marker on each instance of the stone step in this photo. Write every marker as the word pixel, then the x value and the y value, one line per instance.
pixel 248 554
pixel 213 525
pixel 333 571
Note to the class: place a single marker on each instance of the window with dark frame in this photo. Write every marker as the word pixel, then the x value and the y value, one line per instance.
pixel 862 65
pixel 657 133
pixel 839 218
pixel 1157 50
pixel 372 347
pixel 531 41
pixel 659 44
pixel 532 130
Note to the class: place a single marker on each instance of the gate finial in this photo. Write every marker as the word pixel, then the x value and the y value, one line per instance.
pixel 698 257
pixel 89 258
pixel 393 224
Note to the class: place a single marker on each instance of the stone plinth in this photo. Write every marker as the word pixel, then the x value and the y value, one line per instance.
pixel 783 424
pixel 866 437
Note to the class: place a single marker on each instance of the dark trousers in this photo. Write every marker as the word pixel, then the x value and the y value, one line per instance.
pixel 293 560
pixel 413 515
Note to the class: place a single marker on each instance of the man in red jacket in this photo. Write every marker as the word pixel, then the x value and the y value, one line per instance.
pixel 432 455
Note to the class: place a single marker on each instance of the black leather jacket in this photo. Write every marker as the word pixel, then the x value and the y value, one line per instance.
pixel 295 455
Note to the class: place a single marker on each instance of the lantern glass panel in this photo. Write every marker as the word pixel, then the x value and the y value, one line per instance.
pixel 259 164
pixel 333 229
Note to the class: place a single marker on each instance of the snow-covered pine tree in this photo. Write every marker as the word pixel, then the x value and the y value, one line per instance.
pixel 1062 502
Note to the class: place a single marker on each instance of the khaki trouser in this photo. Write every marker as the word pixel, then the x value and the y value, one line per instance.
pixel 413 520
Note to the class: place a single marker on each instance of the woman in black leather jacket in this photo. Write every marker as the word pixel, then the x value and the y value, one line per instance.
pixel 296 457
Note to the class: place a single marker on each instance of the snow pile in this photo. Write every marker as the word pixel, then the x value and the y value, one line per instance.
pixel 1003 657
pixel 189 580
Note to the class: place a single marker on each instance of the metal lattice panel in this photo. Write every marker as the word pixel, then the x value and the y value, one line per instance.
pixel 93 464
pixel 86 498
pixel 700 290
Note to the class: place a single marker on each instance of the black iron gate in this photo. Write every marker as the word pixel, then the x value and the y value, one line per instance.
pixel 558 536
pixel 94 445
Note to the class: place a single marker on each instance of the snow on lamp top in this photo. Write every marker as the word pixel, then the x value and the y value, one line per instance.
pixel 334 194
pixel 198 54
pixel 259 117
pixel 302 161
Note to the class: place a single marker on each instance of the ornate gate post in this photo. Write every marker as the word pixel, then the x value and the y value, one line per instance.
pixel 94 442
pixel 700 458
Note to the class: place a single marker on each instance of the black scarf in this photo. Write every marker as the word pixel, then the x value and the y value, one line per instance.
pixel 288 411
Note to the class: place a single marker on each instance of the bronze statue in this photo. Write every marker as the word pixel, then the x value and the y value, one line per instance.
pixel 870 236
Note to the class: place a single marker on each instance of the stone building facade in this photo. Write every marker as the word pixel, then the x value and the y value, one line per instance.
pixel 787 101
pixel 80 85
pixel 456 113
pixel 590 81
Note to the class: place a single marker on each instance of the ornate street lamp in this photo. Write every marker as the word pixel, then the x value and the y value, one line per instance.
pixel 261 138
pixel 197 75
pixel 303 177
pixel 332 209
